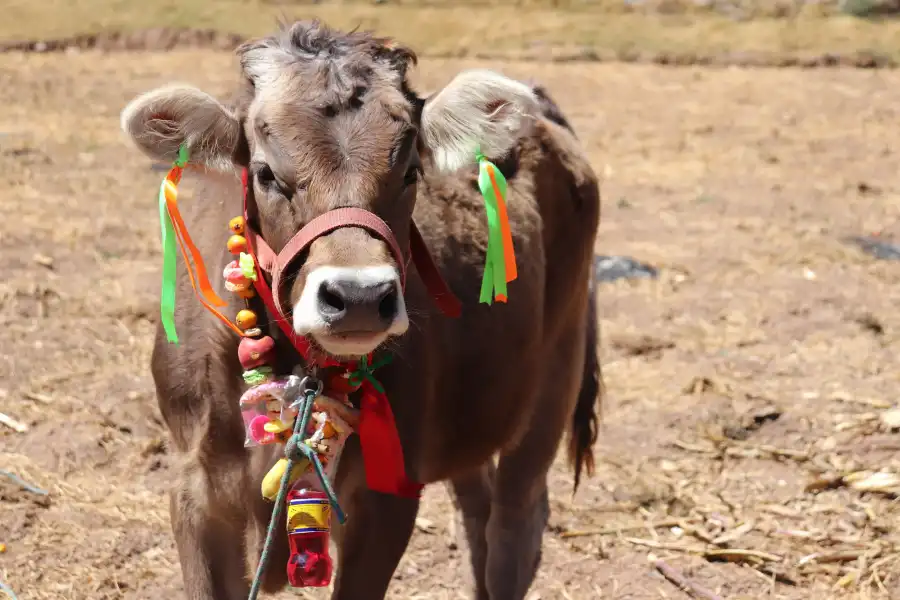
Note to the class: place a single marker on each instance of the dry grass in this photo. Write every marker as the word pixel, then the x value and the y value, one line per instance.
pixel 739 449
pixel 489 29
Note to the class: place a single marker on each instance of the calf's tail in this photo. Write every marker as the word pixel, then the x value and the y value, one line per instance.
pixel 585 419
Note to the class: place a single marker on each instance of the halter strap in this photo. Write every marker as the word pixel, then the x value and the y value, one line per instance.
pixel 276 265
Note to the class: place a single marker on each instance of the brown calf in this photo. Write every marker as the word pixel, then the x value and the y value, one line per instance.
pixel 323 120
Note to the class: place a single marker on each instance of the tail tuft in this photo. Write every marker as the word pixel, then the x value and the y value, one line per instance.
pixel 585 420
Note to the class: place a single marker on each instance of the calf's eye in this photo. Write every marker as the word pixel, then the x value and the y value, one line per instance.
pixel 265 176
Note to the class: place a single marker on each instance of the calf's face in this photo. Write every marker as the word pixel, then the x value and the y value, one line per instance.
pixel 326 120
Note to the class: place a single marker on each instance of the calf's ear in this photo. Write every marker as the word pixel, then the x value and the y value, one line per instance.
pixel 478 110
pixel 161 120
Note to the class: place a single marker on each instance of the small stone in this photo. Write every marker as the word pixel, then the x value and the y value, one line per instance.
pixel 424 525
pixel 43 260
pixel 891 419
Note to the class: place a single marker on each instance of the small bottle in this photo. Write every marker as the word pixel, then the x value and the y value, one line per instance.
pixel 309 533
pixel 308 509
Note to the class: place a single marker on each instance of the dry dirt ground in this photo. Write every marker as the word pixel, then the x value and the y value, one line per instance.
pixel 763 359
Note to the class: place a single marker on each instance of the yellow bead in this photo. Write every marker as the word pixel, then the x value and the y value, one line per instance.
pixel 246 319
pixel 237 244
pixel 247 293
pixel 236 225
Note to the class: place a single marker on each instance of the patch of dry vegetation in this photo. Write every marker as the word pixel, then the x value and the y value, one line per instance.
pixel 751 433
pixel 606 28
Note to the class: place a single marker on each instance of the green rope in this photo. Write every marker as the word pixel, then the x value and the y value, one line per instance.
pixel 293 450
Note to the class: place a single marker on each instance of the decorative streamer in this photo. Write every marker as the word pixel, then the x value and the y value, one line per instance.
pixel 174 234
pixel 500 262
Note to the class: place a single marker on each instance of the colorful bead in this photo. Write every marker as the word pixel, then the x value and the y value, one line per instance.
pixel 255 352
pixel 236 225
pixel 245 294
pixel 235 280
pixel 237 244
pixel 253 332
pixel 237 287
pixel 258 375
pixel 246 319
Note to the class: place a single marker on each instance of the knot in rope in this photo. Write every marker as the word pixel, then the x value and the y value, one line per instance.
pixel 295 449
pixel 366 372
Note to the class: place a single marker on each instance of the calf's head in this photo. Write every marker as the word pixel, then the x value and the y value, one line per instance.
pixel 326 120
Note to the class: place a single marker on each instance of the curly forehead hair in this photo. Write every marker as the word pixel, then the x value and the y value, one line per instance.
pixel 336 67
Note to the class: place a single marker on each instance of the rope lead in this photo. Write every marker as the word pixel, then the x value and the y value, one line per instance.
pixel 294 450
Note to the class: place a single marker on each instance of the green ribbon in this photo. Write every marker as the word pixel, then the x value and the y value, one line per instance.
pixel 170 251
pixel 365 371
pixel 493 283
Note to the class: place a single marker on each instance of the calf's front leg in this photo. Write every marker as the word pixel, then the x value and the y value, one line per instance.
pixel 209 541
pixel 472 497
pixel 375 536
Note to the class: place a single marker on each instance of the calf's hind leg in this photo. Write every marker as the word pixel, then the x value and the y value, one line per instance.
pixel 520 506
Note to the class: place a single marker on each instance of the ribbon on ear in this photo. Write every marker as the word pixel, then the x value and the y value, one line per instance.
pixel 175 235
pixel 500 262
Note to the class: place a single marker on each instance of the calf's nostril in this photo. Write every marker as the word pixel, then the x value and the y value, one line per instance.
pixel 330 300
pixel 353 306
pixel 387 308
